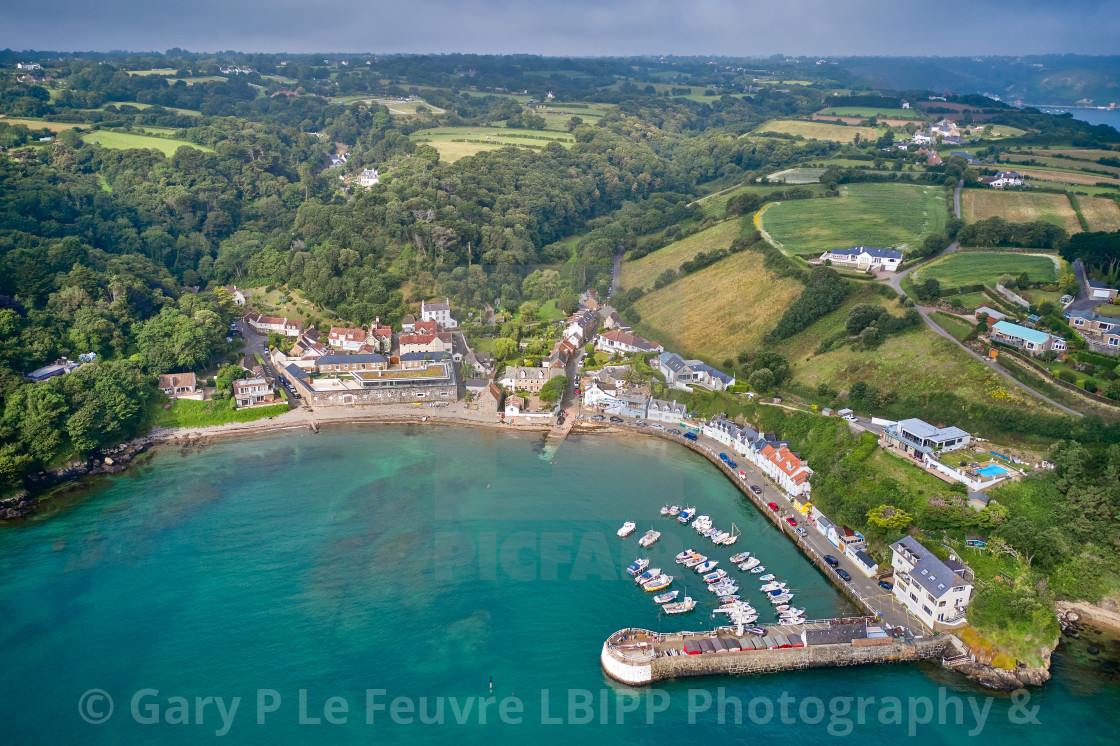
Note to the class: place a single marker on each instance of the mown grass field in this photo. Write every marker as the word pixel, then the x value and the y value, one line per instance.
pixel 1079 178
pixel 38 124
pixel 191 413
pixel 1018 207
pixel 817 130
pixel 865 112
pixel 973 267
pixel 971 301
pixel 797 176
pixel 1102 213
pixel 118 104
pixel 716 312
pixel 454 143
pixel 642 272
pixel 127 140
pixel 1064 164
pixel 881 215
pixel 715 204
pixel 955 326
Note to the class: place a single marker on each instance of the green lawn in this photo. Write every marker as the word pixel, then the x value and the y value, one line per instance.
pixel 985 267
pixel 643 272
pixel 191 413
pixel 549 312
pixel 127 141
pixel 882 215
pixel 865 112
pixel 952 324
pixel 454 143
pixel 119 104
pixel 971 301
pixel 817 130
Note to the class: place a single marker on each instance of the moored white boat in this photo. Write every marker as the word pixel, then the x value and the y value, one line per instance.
pixel 685 556
pixel 772 586
pixel 751 563
pixel 719 537
pixel 680 607
pixel 650 538
pixel 712 577
pixel 757 570
pixel 658 583
pixel 637 566
pixel 666 597
pixel 694 560
pixel 767 577
pixel 706 567
pixel 649 574
pixel 740 557
pixel 686 515
pixel 674 510
pixel 627 529
pixel 664 510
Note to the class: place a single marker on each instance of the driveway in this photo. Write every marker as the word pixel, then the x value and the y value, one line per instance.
pixel 1082 302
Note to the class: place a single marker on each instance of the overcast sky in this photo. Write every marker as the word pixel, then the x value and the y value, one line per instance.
pixel 570 27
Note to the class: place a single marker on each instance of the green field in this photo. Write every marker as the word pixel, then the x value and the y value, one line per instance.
pixel 796 176
pixel 880 215
pixel 958 327
pixel 985 267
pixel 715 204
pixel 865 112
pixel 118 104
pixel 644 271
pixel 454 143
pixel 971 301
pixel 817 130
pixel 1019 207
pixel 714 313
pixel 191 413
pixel 127 141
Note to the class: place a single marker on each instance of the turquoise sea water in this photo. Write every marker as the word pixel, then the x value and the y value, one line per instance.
pixel 424 562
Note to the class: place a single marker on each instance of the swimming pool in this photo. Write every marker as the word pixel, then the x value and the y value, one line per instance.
pixel 995 470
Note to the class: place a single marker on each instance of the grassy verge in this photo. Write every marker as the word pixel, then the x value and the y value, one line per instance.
pixel 191 413
pixel 952 324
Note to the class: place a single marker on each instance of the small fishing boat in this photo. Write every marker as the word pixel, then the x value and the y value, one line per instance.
pixel 680 607
pixel 728 599
pixel 781 608
pixel 650 538
pixel 626 530
pixel 694 560
pixel 664 510
pixel 758 631
pixel 648 575
pixel 757 570
pixel 751 563
pixel 719 537
pixel 658 583
pixel 772 586
pixel 686 515
pixel 666 597
pixel 779 600
pixel 724 590
pixel 731 537
pixel 637 566
pixel 776 592
pixel 714 576
pixel 706 567
pixel 740 557
pixel 685 556
pixel 795 622
pixel 674 510
pixel 767 577
pixel 703 523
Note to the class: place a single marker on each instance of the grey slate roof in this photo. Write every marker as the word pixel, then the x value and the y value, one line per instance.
pixel 368 357
pixel 672 361
pixel 926 431
pixel 297 372
pixel 929 571
pixel 870 251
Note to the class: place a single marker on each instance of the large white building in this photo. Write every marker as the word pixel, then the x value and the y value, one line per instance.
pixel 935 592
pixel 439 313
pixel 785 467
pixel 369 177
pixel 865 258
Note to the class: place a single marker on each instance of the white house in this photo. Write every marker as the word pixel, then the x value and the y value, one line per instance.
pixel 935 592
pixel 669 412
pixel 369 177
pixel 683 374
pixel 265 324
pixel 1100 291
pixel 253 392
pixel 865 258
pixel 347 338
pixel 439 313
pixel 786 468
pixel 619 341
pixel 914 436
pixel 524 379
pixel 514 406
pixel 237 295
pixel 1002 179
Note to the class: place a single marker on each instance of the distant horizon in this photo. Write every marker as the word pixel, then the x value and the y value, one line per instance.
pixel 585 28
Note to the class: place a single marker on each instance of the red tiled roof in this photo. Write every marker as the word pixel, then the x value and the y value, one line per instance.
pixel 347 334
pixel 416 339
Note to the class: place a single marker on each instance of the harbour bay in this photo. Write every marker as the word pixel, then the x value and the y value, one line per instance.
pixel 428 563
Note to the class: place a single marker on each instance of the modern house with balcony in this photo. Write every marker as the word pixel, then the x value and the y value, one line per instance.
pixel 917 437
pixel 934 591
pixel 1031 341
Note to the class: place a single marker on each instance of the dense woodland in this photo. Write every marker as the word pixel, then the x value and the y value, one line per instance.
pixel 125 253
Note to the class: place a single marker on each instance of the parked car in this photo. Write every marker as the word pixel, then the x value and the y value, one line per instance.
pixel 731 464
pixel 598 417
pixel 639 423
pixel 723 458
pixel 800 531
pixel 772 506
pixel 885 585
pixel 743 475
pixel 655 426
pixel 690 436
pixel 791 521
pixel 615 419
pixel 850 417
pixel 756 489
pixel 843 574
pixel 832 561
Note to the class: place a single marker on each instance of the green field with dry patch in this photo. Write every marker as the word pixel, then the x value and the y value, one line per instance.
pixel 642 272
pixel 817 130
pixel 1018 207
pixel 1102 213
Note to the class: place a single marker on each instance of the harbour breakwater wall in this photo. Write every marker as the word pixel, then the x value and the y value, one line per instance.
pixel 651 658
